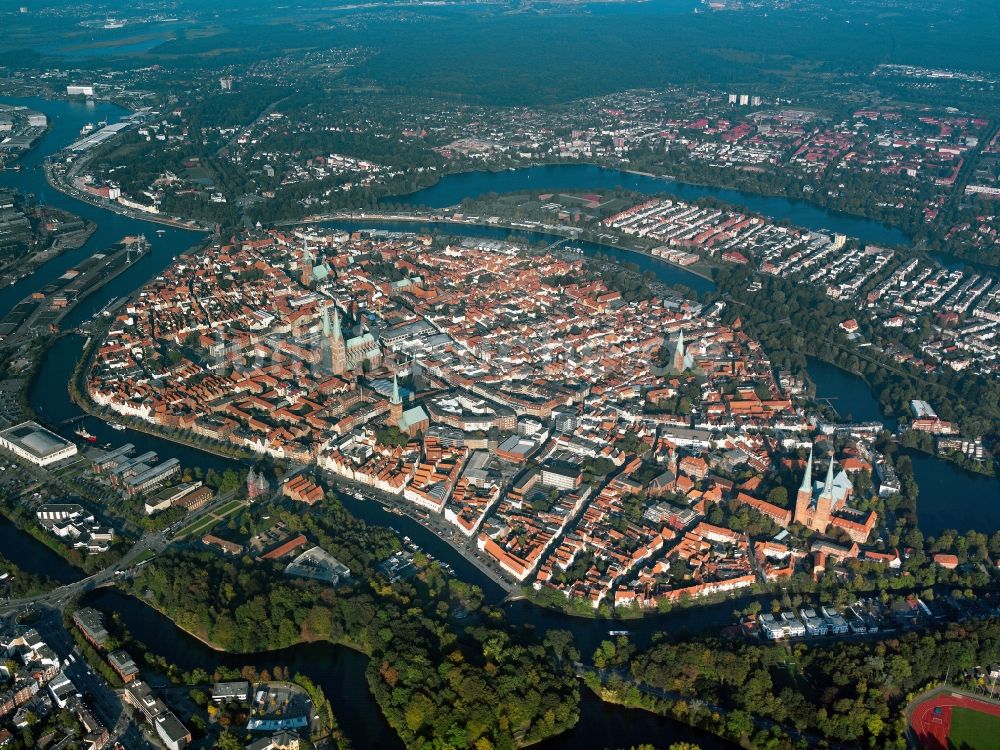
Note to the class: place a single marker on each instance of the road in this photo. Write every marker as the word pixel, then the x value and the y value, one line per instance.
pixel 103 701
pixel 446 532
pixel 155 542
pixel 106 703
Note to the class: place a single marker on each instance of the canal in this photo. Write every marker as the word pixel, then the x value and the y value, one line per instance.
pixel 950 496
pixel 65 120
pixel 338 670
pixel 666 273
pixel 49 397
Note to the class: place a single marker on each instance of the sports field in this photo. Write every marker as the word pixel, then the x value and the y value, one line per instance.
pixel 972 730
pixel 948 720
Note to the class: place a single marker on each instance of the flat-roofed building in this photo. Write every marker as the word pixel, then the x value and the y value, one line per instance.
pixel 91 624
pixel 562 474
pixel 231 691
pixel 318 564
pixel 168 727
pixel 34 443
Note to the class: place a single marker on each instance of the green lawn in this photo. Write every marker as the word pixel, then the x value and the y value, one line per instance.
pixel 202 524
pixel 228 508
pixel 971 730
pixel 147 554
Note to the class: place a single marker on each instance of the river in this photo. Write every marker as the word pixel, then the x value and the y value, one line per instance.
pixel 340 672
pixel 65 120
pixel 454 188
pixel 31 556
pixel 944 481
pixel 49 397
pixel 666 273
pixel 950 497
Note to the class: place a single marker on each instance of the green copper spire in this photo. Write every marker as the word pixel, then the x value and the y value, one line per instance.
pixel 807 478
pixel 395 399
pixel 828 484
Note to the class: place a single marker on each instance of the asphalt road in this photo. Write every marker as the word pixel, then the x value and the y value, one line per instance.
pixel 155 542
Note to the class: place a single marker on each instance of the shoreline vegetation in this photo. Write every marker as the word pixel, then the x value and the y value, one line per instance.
pixel 700 269
pixel 404 629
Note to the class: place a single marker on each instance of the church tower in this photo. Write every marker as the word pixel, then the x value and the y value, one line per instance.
pixel 335 341
pixel 679 355
pixel 395 404
pixel 307 264
pixel 814 509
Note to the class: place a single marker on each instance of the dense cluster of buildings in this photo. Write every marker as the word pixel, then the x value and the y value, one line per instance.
pixel 33 685
pixel 136 693
pixel 582 442
pixel 897 290
pixel 75 525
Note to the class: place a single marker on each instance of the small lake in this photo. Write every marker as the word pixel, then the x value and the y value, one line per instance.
pixel 950 497
pixel 454 188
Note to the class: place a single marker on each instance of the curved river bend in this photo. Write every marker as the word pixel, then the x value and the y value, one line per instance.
pixel 452 189
pixel 338 670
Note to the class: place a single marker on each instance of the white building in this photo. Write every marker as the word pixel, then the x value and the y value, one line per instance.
pixel 34 443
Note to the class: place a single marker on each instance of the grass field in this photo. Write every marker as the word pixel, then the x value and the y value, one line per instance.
pixel 204 524
pixel 972 730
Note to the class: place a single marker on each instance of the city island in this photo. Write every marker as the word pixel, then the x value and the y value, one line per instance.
pixel 593 376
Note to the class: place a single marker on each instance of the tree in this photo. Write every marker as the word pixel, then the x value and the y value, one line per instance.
pixel 228 741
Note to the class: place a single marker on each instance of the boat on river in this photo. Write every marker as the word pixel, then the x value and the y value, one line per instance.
pixel 81 432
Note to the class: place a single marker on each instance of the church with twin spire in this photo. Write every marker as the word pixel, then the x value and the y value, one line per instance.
pixel 817 503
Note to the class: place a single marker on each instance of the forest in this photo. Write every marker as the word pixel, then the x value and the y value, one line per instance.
pixel 445 670
pixel 829 692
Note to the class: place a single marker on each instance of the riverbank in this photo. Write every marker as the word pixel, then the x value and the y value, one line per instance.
pixel 190 225
pixel 950 496
pixel 19 268
pixel 51 544
pixel 701 269
pixel 33 555
pixel 408 510
pixel 80 397
pixel 684 188
pixel 451 188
